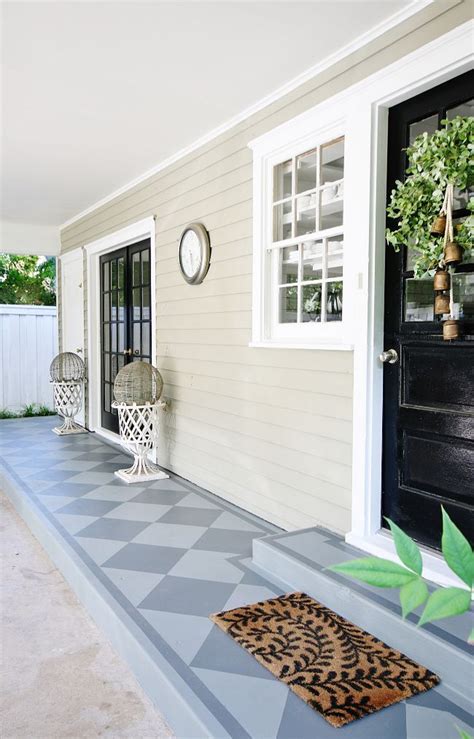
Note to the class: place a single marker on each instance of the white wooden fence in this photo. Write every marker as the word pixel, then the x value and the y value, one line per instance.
pixel 28 343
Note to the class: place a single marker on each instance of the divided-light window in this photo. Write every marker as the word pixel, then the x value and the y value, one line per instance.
pixel 308 239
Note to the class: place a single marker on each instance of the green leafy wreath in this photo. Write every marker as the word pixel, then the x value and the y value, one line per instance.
pixel 446 156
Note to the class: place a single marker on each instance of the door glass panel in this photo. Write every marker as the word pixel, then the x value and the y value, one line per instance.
pixel 107 367
pixel 306 171
pixel 136 272
pixel 288 312
pixel 113 274
pixel 332 161
pixel 107 396
pixel 427 125
pixel 465 109
pixel 463 295
pixel 146 304
pixel 311 308
pixel 136 303
pixel 121 337
pixel 113 337
pixel 106 337
pixel 419 300
pixel 289 265
pixel 106 307
pixel 282 181
pixel 145 338
pixel 121 272
pixel 114 301
pixel 136 336
pixel 106 276
pixel 145 267
pixel 334 301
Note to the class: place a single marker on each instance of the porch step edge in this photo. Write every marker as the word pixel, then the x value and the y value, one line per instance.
pixel 451 664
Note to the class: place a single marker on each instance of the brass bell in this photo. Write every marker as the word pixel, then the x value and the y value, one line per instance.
pixel 439 226
pixel 441 304
pixel 441 280
pixel 452 253
pixel 451 330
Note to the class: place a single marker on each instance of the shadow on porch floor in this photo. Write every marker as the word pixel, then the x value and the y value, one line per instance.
pixel 151 562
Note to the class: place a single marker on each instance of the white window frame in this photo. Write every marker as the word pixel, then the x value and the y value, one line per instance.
pixel 363 109
pixel 319 126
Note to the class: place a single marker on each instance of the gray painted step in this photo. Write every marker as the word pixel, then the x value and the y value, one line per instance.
pixel 298 561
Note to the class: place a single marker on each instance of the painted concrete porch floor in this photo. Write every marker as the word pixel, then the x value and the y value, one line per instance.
pixel 151 562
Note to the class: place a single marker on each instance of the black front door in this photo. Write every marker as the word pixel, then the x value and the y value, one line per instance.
pixel 125 317
pixel 428 413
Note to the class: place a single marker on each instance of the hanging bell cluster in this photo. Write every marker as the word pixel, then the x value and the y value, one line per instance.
pixel 452 255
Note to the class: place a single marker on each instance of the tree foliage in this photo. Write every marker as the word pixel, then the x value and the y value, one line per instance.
pixel 27 280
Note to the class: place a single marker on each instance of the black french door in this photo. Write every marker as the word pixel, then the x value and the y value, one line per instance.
pixel 125 318
pixel 428 412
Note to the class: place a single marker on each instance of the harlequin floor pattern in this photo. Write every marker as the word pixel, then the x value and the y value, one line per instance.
pixel 163 556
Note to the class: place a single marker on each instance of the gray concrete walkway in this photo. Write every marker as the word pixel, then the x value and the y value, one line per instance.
pixel 60 677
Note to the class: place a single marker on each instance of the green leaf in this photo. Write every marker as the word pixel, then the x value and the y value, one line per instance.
pixel 463 734
pixel 444 603
pixel 412 595
pixel 376 571
pixel 457 550
pixel 406 548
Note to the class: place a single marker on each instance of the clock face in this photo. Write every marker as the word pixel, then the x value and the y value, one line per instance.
pixel 194 253
pixel 190 254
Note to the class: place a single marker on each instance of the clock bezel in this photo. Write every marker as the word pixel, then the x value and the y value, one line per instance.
pixel 205 245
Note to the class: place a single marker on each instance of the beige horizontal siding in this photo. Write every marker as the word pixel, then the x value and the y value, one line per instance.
pixel 269 430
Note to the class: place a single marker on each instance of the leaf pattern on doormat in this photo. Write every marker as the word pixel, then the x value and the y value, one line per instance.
pixel 340 670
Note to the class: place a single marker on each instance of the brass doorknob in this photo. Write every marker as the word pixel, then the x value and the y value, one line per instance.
pixel 390 356
pixel 127 352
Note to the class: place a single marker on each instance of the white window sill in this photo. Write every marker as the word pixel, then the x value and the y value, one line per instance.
pixel 328 346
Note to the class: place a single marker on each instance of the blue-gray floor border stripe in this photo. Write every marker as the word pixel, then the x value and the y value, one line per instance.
pixel 229 723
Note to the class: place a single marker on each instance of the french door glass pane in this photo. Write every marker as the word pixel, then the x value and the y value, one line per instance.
pixel 121 272
pixel 145 339
pixel 311 307
pixel 136 270
pixel 465 109
pixel 145 267
pixel 106 276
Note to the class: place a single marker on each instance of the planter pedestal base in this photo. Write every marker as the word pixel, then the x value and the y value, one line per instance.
pixel 138 431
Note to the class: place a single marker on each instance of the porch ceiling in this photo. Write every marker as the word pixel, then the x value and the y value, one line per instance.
pixel 97 93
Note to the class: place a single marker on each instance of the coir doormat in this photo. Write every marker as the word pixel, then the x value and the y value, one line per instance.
pixel 337 668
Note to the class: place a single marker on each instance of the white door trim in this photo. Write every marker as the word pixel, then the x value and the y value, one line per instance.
pixel 131 234
pixel 438 61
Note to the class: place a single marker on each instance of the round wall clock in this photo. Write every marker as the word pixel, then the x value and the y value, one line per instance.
pixel 194 253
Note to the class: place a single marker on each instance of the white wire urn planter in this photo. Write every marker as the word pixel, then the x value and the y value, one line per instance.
pixel 67 373
pixel 137 390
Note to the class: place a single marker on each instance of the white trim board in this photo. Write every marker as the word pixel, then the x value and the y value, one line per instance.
pixel 131 234
pixel 367 104
pixel 391 22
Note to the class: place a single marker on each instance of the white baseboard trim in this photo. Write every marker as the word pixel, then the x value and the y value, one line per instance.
pixel 381 545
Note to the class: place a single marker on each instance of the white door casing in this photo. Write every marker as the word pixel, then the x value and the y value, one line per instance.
pixel 144 229
pixel 72 307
